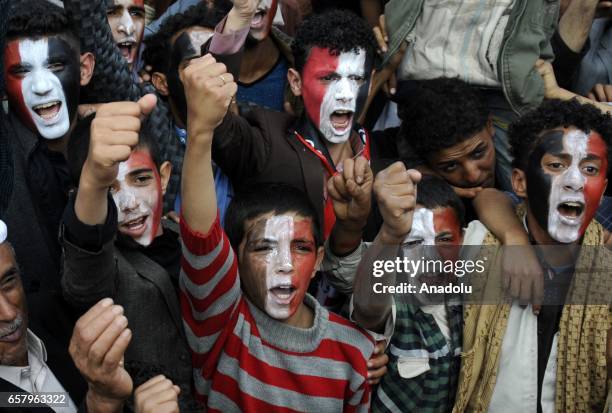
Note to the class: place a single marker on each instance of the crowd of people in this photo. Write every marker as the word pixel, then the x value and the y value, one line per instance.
pixel 211 205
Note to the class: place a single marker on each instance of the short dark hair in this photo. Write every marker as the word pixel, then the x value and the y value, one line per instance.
pixel 439 113
pixel 338 30
pixel 265 198
pixel 78 146
pixel 36 18
pixel 205 14
pixel 434 192
pixel 525 133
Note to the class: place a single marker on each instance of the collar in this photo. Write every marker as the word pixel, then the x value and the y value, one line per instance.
pixel 37 358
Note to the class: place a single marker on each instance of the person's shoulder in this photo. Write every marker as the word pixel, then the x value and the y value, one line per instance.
pixel 348 334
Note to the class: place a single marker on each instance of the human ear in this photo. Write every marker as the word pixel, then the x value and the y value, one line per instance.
pixel 87 64
pixel 165 170
pixel 160 82
pixel 519 183
pixel 295 82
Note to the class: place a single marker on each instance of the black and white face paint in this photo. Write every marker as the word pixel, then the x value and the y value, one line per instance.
pixel 43 80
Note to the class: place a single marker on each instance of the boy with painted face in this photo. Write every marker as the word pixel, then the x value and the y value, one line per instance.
pixel 561 153
pixel 423 329
pixel 43 70
pixel 127 20
pixel 245 308
pixel 333 55
pixel 116 244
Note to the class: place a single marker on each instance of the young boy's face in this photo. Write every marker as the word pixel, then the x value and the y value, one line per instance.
pixel 439 227
pixel 137 192
pixel 127 20
pixel 335 88
pixel 262 20
pixel 566 179
pixel 468 164
pixel 43 80
pixel 278 258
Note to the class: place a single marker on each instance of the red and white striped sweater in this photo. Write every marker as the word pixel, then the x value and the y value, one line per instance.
pixel 245 361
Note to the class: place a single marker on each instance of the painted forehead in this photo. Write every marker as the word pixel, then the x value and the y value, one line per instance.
pixel 323 60
pixel 189 44
pixel 38 51
pixel 280 226
pixel 139 159
pixel 573 142
pixel 129 3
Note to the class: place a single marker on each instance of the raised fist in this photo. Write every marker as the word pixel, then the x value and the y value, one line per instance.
pixel 351 192
pixel 395 189
pixel 114 133
pixel 209 90
pixel 157 395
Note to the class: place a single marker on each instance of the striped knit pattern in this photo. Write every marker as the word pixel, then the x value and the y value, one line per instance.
pixel 417 334
pixel 246 361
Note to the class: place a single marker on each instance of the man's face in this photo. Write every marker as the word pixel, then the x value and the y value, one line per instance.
pixel 278 258
pixel 138 195
pixel 13 311
pixel 468 164
pixel 186 46
pixel 262 20
pixel 566 178
pixel 127 20
pixel 335 88
pixel 43 80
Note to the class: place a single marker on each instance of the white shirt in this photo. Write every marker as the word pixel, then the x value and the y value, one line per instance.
pixel 457 38
pixel 36 376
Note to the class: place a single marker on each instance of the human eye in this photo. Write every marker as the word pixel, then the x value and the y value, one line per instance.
pixel 590 170
pixel 330 77
pixel 412 243
pixel 137 13
pixel 19 71
pixel 56 66
pixel 479 152
pixel 449 167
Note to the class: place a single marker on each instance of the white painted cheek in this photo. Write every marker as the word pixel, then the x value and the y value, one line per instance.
pixel 279 262
pixel 328 106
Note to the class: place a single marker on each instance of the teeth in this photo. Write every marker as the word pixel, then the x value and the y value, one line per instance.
pixel 573 204
pixel 45 105
pixel 342 112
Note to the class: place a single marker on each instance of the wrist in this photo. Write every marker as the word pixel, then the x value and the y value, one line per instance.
pixel 238 18
pixel 515 237
pixel 390 237
pixel 98 403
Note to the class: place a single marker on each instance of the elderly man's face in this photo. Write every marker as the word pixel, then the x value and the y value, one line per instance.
pixel 127 20
pixel 13 311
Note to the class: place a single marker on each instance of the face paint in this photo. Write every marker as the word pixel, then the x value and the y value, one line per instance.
pixel 127 20
pixel 566 178
pixel 187 46
pixel 262 20
pixel 335 87
pixel 279 261
pixel 43 81
pixel 138 196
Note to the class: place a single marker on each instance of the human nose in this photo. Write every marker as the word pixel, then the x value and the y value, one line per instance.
pixel 284 263
pixel 126 201
pixel 345 92
pixel 126 24
pixel 471 173
pixel 41 84
pixel 8 312
pixel 573 180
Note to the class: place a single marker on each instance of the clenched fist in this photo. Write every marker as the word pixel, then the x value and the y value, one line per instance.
pixel 209 90
pixel 114 133
pixel 157 395
pixel 351 192
pixel 395 189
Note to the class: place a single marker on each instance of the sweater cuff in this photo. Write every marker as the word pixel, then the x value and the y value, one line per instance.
pixel 198 243
pixel 89 237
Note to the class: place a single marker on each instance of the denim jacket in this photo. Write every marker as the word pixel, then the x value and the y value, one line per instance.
pixel 527 38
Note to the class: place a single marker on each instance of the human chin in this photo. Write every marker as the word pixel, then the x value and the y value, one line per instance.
pixel 283 296
pixel 334 131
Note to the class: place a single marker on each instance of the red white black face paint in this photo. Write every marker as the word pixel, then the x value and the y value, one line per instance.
pixel 282 256
pixel 138 196
pixel 42 78
pixel 263 18
pixel 127 20
pixel 571 168
pixel 334 89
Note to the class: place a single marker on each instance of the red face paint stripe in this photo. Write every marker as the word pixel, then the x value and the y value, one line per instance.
pixel 14 83
pixel 595 185
pixel 313 91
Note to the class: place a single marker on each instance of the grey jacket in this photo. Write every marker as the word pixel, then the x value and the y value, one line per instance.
pixel 151 304
pixel 526 39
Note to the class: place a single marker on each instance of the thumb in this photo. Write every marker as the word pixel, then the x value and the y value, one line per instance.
pixel 147 104
pixel 414 175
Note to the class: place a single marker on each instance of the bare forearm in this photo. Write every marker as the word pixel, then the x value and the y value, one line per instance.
pixel 575 24
pixel 371 310
pixel 564 94
pixel 99 404
pixel 199 200
pixel 371 10
pixel 501 220
pixel 91 204
pixel 344 238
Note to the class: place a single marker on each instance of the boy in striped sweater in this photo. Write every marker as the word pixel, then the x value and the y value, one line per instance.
pixel 267 346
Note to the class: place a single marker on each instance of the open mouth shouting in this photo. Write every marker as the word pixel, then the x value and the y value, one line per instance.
pixel 49 112
pixel 134 227
pixel 571 212
pixel 341 120
pixel 259 19
pixel 282 294
pixel 128 49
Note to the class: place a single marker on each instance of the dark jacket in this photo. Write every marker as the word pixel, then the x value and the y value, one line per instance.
pixel 40 187
pixel 148 295
pixel 261 147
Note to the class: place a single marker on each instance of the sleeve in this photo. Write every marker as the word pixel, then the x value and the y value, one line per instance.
pixel 209 289
pixel 227 43
pixel 90 267
pixel 341 271
pixel 566 60
pixel 240 149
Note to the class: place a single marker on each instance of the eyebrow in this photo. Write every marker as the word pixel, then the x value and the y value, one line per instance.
pixel 10 271
pixel 140 170
pixel 444 234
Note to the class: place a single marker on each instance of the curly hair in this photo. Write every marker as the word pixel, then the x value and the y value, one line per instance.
pixel 524 134
pixel 439 113
pixel 434 192
pixel 36 18
pixel 205 14
pixel 340 31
